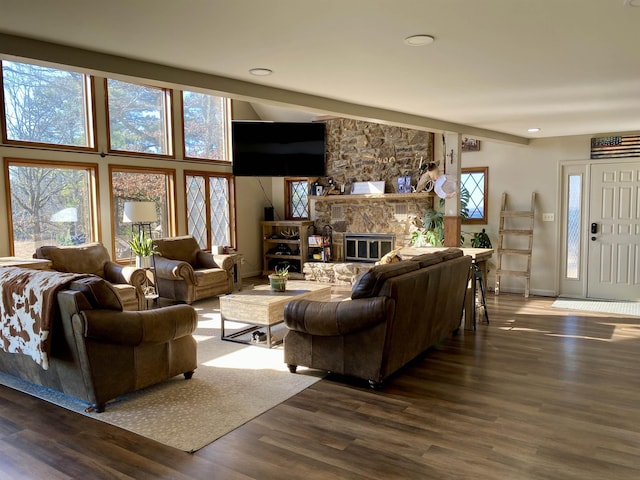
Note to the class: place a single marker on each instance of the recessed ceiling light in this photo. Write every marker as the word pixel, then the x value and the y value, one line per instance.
pixel 261 72
pixel 533 130
pixel 419 40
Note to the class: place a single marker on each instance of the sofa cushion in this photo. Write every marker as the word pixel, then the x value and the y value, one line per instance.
pixel 184 248
pixel 87 258
pixel 370 283
pixel 427 259
pixel 99 293
pixel 450 253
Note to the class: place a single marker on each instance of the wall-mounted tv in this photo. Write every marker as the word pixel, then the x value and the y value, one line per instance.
pixel 278 149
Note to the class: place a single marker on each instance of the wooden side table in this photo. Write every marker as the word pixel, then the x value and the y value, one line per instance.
pixel 238 260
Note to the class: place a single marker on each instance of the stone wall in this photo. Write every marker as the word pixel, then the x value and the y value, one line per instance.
pixel 359 151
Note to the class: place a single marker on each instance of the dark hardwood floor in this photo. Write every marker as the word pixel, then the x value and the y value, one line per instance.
pixel 540 393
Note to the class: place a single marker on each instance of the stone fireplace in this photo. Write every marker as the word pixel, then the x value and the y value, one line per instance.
pixel 359 151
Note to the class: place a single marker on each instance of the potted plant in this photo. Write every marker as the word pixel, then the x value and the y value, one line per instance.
pixel 481 240
pixel 142 247
pixel 278 279
pixel 431 232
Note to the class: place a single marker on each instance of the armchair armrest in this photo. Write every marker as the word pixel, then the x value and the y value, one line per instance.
pixel 209 260
pixel 336 318
pixel 116 273
pixel 133 327
pixel 174 269
pixel 225 262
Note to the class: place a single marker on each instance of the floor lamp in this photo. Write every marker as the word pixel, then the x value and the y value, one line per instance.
pixel 142 215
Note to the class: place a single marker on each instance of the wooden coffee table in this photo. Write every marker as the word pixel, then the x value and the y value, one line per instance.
pixel 262 307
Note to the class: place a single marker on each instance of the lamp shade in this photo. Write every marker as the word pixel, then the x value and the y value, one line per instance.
pixel 139 212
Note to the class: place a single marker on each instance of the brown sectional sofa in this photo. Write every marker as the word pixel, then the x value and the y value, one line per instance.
pixel 99 351
pixel 396 312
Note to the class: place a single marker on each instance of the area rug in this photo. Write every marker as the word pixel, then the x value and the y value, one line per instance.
pixel 601 306
pixel 233 384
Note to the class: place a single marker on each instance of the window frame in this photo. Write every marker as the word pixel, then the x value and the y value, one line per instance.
pixel 170 173
pixel 485 172
pixel 227 131
pixel 233 227
pixel 288 192
pixel 169 120
pixel 94 201
pixel 90 121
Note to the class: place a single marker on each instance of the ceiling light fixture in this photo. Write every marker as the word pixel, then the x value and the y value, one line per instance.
pixel 533 130
pixel 419 40
pixel 261 72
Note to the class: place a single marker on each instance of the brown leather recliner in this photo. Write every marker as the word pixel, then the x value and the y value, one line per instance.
pixel 94 258
pixel 186 273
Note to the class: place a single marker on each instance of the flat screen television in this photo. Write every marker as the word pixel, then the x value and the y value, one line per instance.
pixel 278 149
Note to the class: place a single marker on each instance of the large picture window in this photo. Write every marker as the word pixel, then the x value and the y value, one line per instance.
pixel 205 123
pixel 155 186
pixel 50 204
pixel 47 105
pixel 210 208
pixel 139 118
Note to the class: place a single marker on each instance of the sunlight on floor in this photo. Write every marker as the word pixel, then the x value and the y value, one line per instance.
pixel 250 357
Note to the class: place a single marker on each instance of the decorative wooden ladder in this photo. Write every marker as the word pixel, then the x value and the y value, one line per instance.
pixel 515 228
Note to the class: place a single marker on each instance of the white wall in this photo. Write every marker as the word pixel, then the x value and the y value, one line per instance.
pixel 519 171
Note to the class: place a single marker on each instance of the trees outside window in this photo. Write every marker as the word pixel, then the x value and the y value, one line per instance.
pixel 141 185
pixel 47 105
pixel 205 124
pixel 50 204
pixel 139 118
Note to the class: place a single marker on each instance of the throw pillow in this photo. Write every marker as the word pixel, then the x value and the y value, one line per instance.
pixel 392 257
pixel 98 292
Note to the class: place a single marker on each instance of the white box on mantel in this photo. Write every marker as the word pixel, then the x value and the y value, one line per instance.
pixel 367 187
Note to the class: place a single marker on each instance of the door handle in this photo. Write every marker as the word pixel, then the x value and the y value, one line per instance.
pixel 594 230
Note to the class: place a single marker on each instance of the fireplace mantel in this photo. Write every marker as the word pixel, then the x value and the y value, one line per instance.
pixel 373 196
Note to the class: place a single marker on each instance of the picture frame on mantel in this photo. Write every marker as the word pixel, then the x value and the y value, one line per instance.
pixel 470 144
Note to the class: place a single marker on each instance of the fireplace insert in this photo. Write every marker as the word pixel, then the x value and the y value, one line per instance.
pixel 367 247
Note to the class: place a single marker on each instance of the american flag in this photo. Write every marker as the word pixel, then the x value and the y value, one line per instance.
pixel 615 147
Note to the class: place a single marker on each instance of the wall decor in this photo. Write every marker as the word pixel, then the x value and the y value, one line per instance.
pixel 470 144
pixel 615 147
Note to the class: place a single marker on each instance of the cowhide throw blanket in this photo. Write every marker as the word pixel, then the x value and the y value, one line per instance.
pixel 28 308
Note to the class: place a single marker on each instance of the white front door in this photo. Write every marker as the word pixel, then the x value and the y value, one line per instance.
pixel 613 247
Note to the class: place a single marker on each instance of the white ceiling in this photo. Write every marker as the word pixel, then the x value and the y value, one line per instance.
pixel 566 66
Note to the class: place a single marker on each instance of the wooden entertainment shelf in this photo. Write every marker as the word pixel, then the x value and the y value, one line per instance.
pixel 277 247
